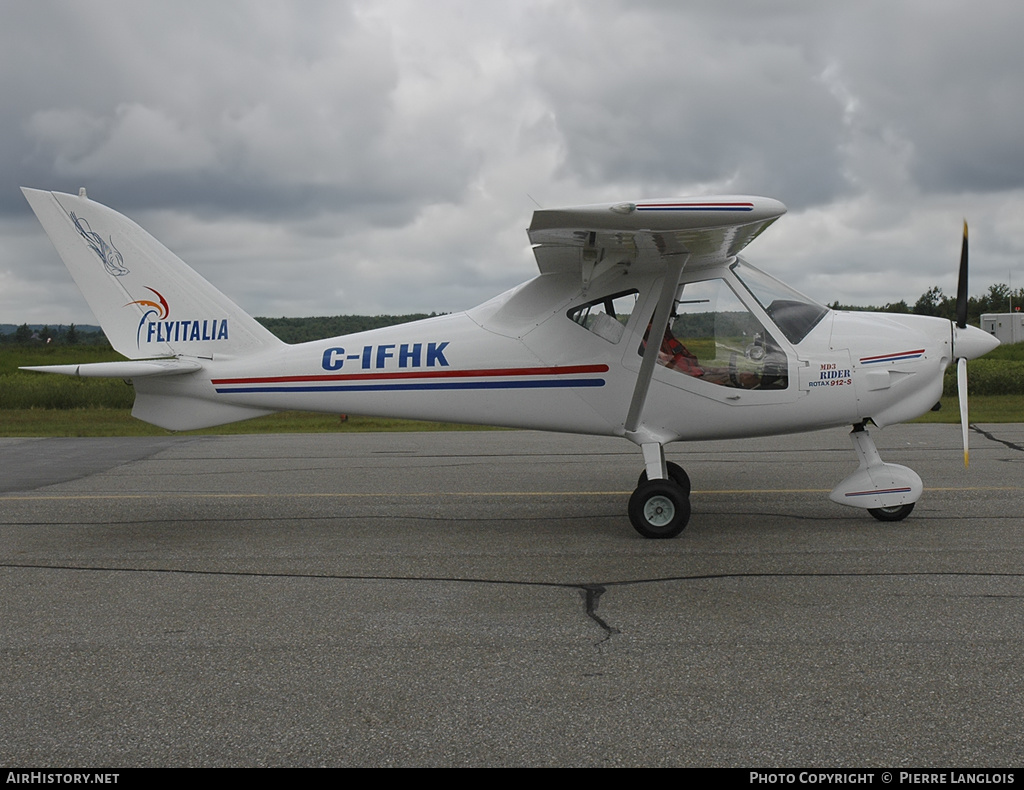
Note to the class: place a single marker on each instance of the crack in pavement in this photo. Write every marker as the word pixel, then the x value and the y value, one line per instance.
pixel 994 438
pixel 589 592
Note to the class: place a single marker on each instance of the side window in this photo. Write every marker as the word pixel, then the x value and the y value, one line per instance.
pixel 714 337
pixel 606 317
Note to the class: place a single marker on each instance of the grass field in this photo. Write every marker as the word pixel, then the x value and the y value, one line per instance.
pixel 13 357
pixel 982 408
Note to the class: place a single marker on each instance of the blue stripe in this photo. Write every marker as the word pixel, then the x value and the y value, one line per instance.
pixel 439 385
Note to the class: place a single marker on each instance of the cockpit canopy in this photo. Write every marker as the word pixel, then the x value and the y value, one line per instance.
pixel 715 334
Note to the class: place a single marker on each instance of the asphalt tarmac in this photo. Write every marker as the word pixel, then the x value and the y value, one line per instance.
pixel 480 599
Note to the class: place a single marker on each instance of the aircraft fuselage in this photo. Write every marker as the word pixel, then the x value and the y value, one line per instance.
pixel 521 360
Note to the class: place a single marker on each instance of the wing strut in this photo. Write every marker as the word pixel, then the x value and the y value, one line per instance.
pixel 662 314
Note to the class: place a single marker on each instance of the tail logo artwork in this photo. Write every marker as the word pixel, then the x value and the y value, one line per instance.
pixel 111 257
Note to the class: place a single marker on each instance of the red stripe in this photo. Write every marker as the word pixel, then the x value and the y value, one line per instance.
pixel 693 205
pixel 903 490
pixel 897 354
pixel 432 374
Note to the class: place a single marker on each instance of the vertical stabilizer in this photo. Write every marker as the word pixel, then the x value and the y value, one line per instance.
pixel 148 301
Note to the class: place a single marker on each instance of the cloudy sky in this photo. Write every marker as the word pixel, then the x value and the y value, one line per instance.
pixel 384 156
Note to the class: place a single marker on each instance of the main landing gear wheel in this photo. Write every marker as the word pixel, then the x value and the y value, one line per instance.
pixel 676 474
pixel 659 509
pixel 895 513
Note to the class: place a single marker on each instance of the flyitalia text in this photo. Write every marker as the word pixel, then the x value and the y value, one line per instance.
pixel 178 331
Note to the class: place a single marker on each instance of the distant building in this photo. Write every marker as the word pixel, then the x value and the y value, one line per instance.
pixel 1007 327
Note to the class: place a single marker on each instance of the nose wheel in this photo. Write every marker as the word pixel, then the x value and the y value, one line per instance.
pixel 887 491
pixel 895 513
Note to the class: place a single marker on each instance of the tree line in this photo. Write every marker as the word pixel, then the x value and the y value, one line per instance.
pixel 61 335
pixel 998 299
pixel 301 330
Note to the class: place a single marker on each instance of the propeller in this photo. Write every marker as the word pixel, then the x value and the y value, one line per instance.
pixel 961 363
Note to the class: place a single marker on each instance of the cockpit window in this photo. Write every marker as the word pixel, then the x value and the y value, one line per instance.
pixel 712 336
pixel 793 313
pixel 606 317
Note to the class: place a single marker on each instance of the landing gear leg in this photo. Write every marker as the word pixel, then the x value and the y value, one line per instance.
pixel 660 506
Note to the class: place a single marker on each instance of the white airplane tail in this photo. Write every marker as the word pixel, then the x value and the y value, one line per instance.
pixel 148 301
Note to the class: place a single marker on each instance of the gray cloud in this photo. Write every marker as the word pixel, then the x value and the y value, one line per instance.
pixel 329 157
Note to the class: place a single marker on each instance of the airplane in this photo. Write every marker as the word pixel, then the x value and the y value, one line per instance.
pixel 736 353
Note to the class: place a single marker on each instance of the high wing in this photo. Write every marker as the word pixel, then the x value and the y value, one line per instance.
pixel 592 239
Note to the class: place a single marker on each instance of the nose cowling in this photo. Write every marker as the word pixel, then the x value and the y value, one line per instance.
pixel 969 342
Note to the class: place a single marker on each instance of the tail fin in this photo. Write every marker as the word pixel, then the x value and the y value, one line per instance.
pixel 148 301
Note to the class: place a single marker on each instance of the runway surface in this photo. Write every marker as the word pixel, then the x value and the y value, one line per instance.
pixel 481 599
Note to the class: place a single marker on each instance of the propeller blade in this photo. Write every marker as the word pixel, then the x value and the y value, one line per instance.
pixel 961 285
pixel 961 363
pixel 961 394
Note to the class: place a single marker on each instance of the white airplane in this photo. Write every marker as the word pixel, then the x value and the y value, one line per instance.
pixel 738 353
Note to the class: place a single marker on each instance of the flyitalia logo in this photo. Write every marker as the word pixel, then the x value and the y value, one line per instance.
pixel 156 325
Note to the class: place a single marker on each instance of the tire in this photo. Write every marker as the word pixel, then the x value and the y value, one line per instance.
pixel 895 513
pixel 676 474
pixel 659 509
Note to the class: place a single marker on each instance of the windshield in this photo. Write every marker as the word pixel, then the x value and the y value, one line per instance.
pixel 793 313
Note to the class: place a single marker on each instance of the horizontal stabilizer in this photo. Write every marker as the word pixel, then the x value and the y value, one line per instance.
pixel 123 370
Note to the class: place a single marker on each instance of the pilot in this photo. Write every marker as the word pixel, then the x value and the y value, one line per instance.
pixel 673 354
